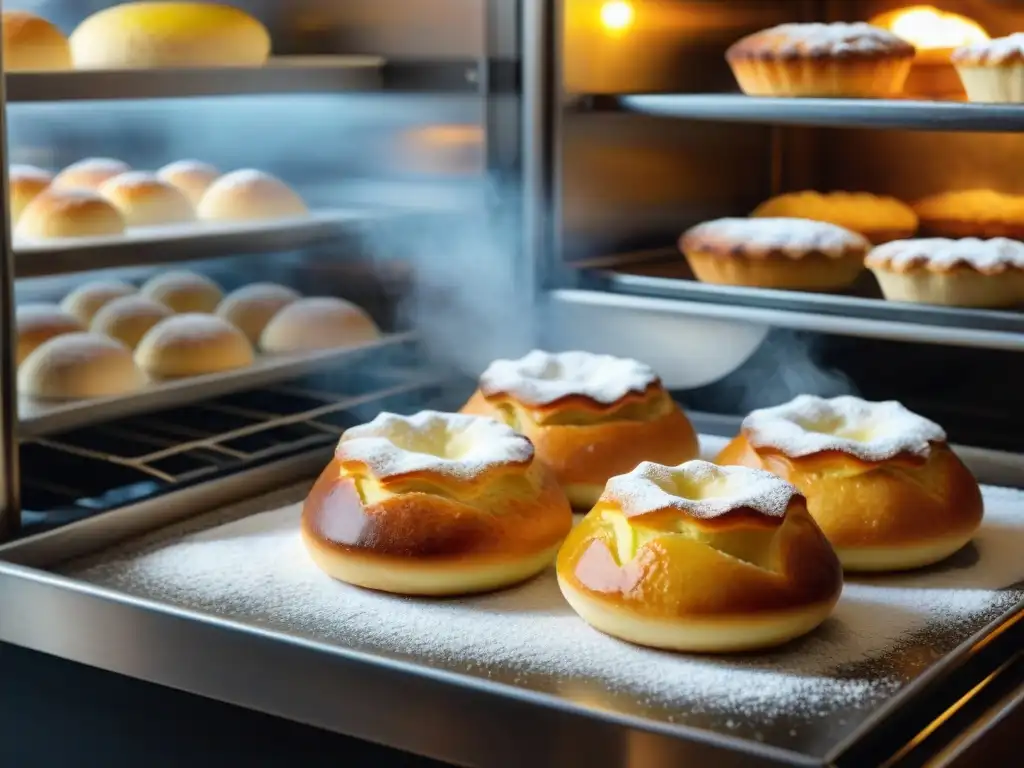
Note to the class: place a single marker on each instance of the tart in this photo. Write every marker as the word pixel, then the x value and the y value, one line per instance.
pixel 972 213
pixel 992 71
pixel 878 218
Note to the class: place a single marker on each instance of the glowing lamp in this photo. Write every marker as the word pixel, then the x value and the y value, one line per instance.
pixel 617 16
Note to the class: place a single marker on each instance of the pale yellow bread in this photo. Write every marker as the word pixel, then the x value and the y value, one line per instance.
pixel 129 318
pixel 90 173
pixel 77 366
pixel 251 307
pixel 192 344
pixel 250 195
pixel 184 291
pixel 191 177
pixel 145 200
pixel 901 558
pixel 38 323
pixel 317 323
pixel 145 35
pixel 24 183
pixel 86 300
pixel 63 213
pixel 33 44
pixel 876 217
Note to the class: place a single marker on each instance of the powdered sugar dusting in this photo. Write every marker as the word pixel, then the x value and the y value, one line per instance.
pixel 699 489
pixel 792 237
pixel 870 431
pixel 941 254
pixel 837 39
pixel 19 172
pixel 996 51
pixel 133 179
pixel 246 177
pixel 451 444
pixel 541 378
pixel 885 631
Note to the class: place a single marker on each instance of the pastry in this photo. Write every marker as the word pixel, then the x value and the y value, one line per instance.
pixel 700 558
pixel 935 34
pixel 824 60
pixel 32 44
pixel 86 300
pixel 879 219
pixel 250 195
pixel 192 344
pixel 956 273
pixel 992 71
pixel 38 323
pixel 589 416
pixel 881 482
pixel 319 322
pixel 66 212
pixel 191 177
pixel 145 200
pixel 24 183
pixel 144 35
pixel 434 504
pixel 251 307
pixel 972 213
pixel 795 254
pixel 184 291
pixel 90 173
pixel 76 366
pixel 128 318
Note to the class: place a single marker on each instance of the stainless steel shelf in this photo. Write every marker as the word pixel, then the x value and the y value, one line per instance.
pixel 831 113
pixel 186 242
pixel 292 74
pixel 39 418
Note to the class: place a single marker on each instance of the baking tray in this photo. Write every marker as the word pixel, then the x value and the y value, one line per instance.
pixel 515 678
pixel 39 417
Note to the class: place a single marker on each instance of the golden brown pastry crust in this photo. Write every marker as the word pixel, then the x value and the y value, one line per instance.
pixel 877 217
pixel 982 213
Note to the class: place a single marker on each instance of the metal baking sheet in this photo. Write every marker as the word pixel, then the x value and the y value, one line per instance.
pixel 285 74
pixel 243 569
pixel 186 242
pixel 39 417
pixel 836 113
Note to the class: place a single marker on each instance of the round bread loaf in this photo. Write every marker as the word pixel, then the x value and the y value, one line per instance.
pixel 24 183
pixel 251 307
pixel 57 213
pixel 33 44
pixel 317 323
pixel 38 323
pixel 128 318
pixel 184 291
pixel 86 300
pixel 192 344
pixel 191 177
pixel 249 195
pixel 90 173
pixel 167 34
pixel 145 200
pixel 79 365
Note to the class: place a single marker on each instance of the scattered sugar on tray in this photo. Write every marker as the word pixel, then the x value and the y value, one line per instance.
pixel 870 431
pixel 791 236
pixel 540 378
pixel 942 254
pixel 451 444
pixel 256 570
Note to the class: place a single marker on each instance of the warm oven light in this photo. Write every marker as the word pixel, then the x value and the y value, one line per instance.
pixel 928 28
pixel 617 16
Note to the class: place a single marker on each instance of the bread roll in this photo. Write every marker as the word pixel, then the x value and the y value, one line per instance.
pixel 145 200
pixel 32 44
pixel 590 417
pixel 184 291
pixel 90 173
pixel 434 504
pixel 58 213
pixel 24 183
pixel 317 323
pixel 250 195
pixel 192 344
pixel 250 308
pixel 79 365
pixel 191 177
pixel 38 323
pixel 167 34
pixel 128 318
pixel 86 300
